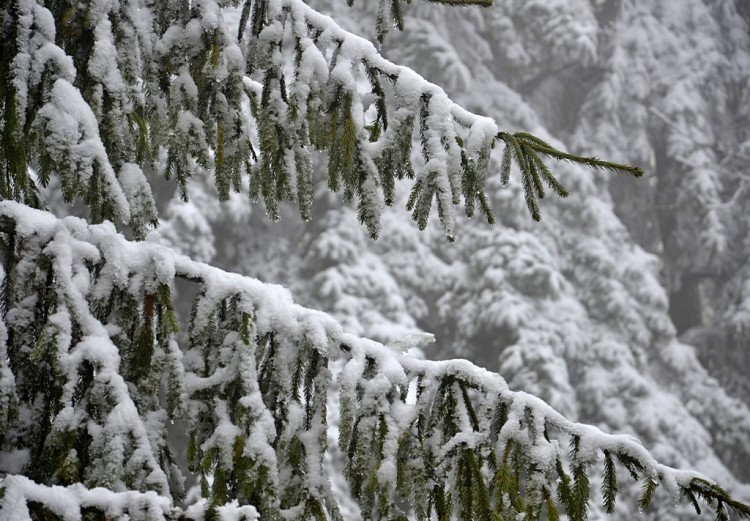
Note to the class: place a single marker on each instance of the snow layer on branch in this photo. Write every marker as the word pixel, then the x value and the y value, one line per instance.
pixel 237 319
pixel 71 136
pixel 67 502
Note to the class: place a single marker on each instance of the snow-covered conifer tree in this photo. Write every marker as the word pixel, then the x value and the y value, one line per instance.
pixel 104 97
pixel 675 80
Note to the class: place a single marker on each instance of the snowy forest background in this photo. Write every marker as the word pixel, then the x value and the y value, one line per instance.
pixel 615 307
pixel 628 305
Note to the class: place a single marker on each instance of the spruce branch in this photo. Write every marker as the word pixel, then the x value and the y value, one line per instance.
pixel 716 497
pixel 527 151
pixel 542 147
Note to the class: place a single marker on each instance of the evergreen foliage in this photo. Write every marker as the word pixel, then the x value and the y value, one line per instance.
pixel 93 361
pixel 572 309
pixel 134 83
pixel 678 102
pixel 92 371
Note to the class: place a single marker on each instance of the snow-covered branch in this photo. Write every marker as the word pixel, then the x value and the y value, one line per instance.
pixel 246 90
pixel 252 383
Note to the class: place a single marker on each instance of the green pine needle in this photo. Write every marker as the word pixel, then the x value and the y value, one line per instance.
pixel 631 464
pixel 484 206
pixel 579 500
pixel 468 182
pixel 551 181
pixel 382 22
pixel 609 483
pixel 416 191
pixel 349 143
pixel 649 488
pixel 553 514
pixel 531 166
pixel 505 165
pixel 688 494
pixel 530 195
pixel 564 493
pixel 397 14
pixel 469 406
